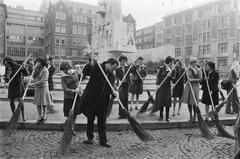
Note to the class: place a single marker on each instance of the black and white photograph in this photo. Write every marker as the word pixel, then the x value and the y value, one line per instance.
pixel 119 79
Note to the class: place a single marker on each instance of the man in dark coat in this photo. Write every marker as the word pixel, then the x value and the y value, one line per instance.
pixel 95 99
pixel 16 86
pixel 123 90
pixel 163 95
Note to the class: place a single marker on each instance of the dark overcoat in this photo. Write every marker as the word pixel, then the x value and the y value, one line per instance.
pixel 163 95
pixel 178 89
pixel 16 86
pixel 51 71
pixel 213 84
pixel 96 89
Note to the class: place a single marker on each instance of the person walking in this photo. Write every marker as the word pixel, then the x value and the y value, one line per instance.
pixel 136 88
pixel 123 90
pixel 178 87
pixel 163 95
pixel 233 101
pixel 213 79
pixel 16 86
pixel 195 76
pixel 95 98
pixel 41 95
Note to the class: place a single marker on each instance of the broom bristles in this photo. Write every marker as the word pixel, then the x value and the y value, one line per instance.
pixel 144 107
pixel 110 106
pixel 222 132
pixel 202 125
pixel 50 109
pixel 13 123
pixel 67 135
pixel 141 133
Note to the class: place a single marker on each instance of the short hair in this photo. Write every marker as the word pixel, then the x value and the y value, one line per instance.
pixel 112 61
pixel 211 65
pixel 9 60
pixel 140 58
pixel 65 66
pixel 168 59
pixel 122 57
pixel 42 60
pixel 50 58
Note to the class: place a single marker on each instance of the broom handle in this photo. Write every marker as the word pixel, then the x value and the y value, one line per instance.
pixel 124 77
pixel 163 81
pixel 209 92
pixel 25 92
pixel 18 70
pixel 179 78
pixel 75 97
pixel 235 85
pixel 194 98
pixel 110 85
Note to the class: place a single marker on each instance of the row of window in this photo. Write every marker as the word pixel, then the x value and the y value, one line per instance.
pixel 27 17
pixel 75 18
pixel 20 52
pixel 205 50
pixel 75 41
pixel 203 14
pixel 22 40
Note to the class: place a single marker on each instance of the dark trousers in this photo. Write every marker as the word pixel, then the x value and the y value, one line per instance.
pixel 167 112
pixel 123 96
pixel 101 122
pixel 232 101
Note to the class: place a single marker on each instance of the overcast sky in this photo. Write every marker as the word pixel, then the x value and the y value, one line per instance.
pixel 146 12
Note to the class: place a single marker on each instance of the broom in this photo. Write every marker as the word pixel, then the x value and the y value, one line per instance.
pixel 202 125
pixel 214 115
pixel 110 103
pixel 13 123
pixel 67 134
pixel 137 128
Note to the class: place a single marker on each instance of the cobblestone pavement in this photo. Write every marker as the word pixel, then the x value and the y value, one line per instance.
pixel 167 144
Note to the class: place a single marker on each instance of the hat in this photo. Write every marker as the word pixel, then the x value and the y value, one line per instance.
pixel 193 59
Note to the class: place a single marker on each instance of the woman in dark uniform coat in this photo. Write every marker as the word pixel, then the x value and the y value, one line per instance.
pixel 178 88
pixel 136 88
pixel 213 79
pixel 95 98
pixel 16 86
pixel 163 95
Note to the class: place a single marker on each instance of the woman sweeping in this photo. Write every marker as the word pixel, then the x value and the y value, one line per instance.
pixel 41 95
pixel 69 83
pixel 213 79
pixel 16 86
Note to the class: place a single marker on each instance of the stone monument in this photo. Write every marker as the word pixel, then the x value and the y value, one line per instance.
pixel 112 37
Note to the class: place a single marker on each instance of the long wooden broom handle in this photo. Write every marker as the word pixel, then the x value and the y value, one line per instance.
pixel 235 85
pixel 18 70
pixel 75 97
pixel 25 92
pixel 209 92
pixel 179 79
pixel 194 98
pixel 124 77
pixel 109 83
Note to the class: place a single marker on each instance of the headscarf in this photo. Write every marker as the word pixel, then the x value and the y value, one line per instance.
pixel 236 68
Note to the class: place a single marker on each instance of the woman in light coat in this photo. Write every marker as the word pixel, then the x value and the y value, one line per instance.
pixel 41 94
pixel 195 76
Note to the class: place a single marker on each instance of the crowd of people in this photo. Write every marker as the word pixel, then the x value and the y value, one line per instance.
pixel 174 81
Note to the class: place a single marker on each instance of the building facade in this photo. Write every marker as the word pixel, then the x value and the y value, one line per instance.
pixel 24 33
pixel 68 30
pixel 145 38
pixel 209 31
pixel 3 16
